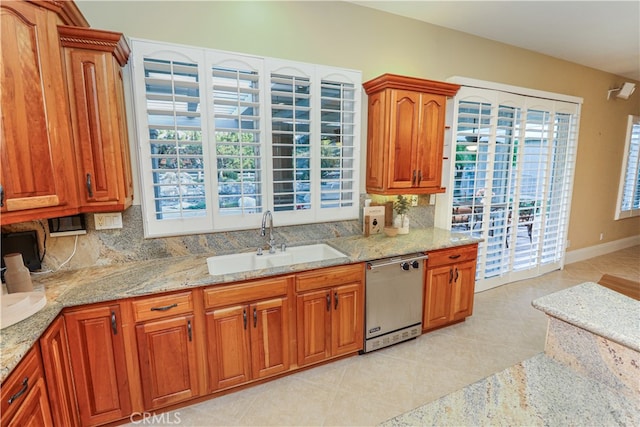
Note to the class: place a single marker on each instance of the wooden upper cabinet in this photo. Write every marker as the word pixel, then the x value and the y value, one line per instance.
pixel 93 62
pixel 405 134
pixel 64 142
pixel 37 156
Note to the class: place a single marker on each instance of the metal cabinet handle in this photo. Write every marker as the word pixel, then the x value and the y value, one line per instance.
pixel 450 275
pixel 413 178
pixel 255 317
pixel 114 326
pixel 189 330
pixel 335 300
pixel 328 302
pixel 25 387
pixel 1 196
pixel 454 256
pixel 419 176
pixel 164 308
pixel 244 318
pixel 456 279
pixel 89 187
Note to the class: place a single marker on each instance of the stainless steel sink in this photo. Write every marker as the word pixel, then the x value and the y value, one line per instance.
pixel 236 263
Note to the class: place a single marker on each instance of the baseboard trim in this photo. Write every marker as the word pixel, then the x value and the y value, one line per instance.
pixel 601 249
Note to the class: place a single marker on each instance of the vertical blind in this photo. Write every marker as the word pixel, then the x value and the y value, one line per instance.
pixel 512 180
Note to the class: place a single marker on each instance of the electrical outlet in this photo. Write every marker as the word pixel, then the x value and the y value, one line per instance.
pixel 107 221
pixel 601 236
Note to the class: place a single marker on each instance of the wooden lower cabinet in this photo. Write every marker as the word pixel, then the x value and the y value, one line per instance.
pixel 98 363
pixel 24 394
pixel 167 342
pixel 449 286
pixel 330 319
pixel 105 362
pixel 55 358
pixel 247 329
pixel 167 355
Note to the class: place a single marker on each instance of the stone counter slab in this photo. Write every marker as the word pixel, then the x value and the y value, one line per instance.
pixel 119 281
pixel 536 392
pixel 598 310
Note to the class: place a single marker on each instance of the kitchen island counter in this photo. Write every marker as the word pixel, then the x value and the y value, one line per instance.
pixel 586 376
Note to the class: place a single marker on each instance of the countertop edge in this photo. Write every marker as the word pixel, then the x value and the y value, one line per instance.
pixel 596 309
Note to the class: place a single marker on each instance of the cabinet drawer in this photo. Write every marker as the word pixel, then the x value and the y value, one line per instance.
pixel 20 383
pixel 162 306
pixel 452 255
pixel 331 276
pixel 243 293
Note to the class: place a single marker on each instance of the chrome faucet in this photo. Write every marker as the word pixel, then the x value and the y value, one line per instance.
pixel 263 230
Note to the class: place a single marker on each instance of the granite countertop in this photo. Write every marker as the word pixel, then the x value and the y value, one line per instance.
pixel 542 390
pixel 598 310
pixel 536 392
pixel 119 281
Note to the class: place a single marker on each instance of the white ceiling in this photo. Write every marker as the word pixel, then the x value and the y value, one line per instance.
pixel 600 34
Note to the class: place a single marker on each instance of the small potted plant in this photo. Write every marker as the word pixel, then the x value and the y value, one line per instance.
pixel 401 221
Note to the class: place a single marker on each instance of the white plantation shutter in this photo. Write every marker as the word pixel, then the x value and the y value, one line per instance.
pixel 512 176
pixel 338 147
pixel 168 91
pixel 223 137
pixel 291 141
pixel 237 94
pixel 629 191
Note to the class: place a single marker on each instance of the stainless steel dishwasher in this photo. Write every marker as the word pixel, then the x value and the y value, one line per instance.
pixel 393 300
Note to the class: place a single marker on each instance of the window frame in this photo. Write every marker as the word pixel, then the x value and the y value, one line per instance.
pixel 630 160
pixel 212 220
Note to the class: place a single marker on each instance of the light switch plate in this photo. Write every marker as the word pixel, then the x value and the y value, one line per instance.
pixel 108 221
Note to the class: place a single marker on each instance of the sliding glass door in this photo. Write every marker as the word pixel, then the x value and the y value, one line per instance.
pixel 512 173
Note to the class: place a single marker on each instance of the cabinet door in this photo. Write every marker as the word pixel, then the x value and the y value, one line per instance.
pixel 37 157
pixel 23 396
pixel 93 79
pixel 228 347
pixel 404 132
pixel 430 141
pixel 98 364
pixel 55 358
pixel 269 337
pixel 347 320
pixel 34 410
pixel 463 290
pixel 437 305
pixel 377 140
pixel 314 326
pixel 167 354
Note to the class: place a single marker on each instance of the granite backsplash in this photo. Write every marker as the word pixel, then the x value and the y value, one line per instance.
pixel 106 247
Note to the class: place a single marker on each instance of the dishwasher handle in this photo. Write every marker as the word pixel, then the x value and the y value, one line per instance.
pixel 393 261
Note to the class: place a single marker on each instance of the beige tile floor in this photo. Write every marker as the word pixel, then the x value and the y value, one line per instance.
pixel 369 389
